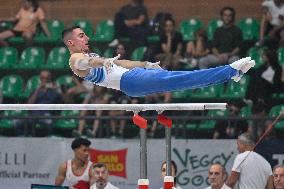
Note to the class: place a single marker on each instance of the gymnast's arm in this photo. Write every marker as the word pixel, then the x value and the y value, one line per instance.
pixel 60 177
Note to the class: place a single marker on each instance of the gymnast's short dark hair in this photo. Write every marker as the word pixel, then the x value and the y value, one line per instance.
pixel 80 142
pixel 67 31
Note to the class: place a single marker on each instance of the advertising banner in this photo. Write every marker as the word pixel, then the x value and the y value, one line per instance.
pixel 26 161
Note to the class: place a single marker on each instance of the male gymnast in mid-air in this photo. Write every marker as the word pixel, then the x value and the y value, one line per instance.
pixel 137 78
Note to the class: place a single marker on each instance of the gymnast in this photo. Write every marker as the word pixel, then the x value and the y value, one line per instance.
pixel 137 78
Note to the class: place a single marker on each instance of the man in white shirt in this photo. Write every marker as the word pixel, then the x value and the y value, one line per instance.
pixel 217 176
pixel 278 177
pixel 250 170
pixel 99 178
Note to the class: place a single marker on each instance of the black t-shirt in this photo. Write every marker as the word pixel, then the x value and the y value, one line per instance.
pixel 176 39
pixel 226 39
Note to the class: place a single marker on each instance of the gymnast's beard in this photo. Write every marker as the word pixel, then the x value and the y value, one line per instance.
pixel 100 184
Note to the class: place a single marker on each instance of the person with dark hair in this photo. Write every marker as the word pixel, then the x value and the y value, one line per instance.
pixel 272 24
pixel 173 173
pixel 217 176
pixel 250 170
pixel 27 19
pixel 266 79
pixel 137 78
pixel 77 171
pixel 131 21
pixel 278 176
pixel 170 46
pixel 100 177
pixel 226 42
pixel 196 49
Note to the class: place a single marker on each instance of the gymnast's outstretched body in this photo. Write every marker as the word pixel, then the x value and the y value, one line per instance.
pixel 136 78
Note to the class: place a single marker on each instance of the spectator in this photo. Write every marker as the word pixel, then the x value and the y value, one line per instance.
pixel 196 49
pixel 121 49
pixel 217 176
pixel 250 169
pixel 265 80
pixel 173 172
pixel 46 93
pixel 100 177
pixel 272 23
pixel 76 171
pixel 97 96
pixel 171 46
pixel 131 21
pixel 117 126
pixel 72 94
pixel 226 42
pixel 28 17
pixel 230 129
pixel 278 175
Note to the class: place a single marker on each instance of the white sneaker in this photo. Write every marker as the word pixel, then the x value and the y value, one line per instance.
pixel 113 43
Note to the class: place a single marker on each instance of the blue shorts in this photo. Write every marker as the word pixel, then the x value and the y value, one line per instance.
pixel 142 81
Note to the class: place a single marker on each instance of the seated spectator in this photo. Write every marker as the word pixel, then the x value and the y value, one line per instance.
pixel 217 176
pixel 28 17
pixel 230 129
pixel 99 179
pixel 265 80
pixel 272 24
pixel 131 21
pixel 173 172
pixel 278 177
pixel 46 93
pixel 226 42
pixel 97 96
pixel 170 46
pixel 81 87
pixel 196 49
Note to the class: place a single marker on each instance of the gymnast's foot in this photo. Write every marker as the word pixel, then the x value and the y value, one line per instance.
pixel 242 65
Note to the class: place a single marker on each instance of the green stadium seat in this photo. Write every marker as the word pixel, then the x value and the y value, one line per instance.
pixel 181 95
pixel 236 90
pixel 11 86
pixel 8 57
pixel 67 123
pixel 274 112
pixel 212 26
pixel 65 80
pixel 250 28
pixel 280 53
pixel 109 53
pixel 86 26
pixel 9 123
pixel 209 125
pixel 57 59
pixel 255 53
pixel 31 58
pixel 104 31
pixel 6 25
pixel 153 38
pixel 32 84
pixel 55 28
pixel 213 91
pixel 138 53
pixel 246 111
pixel 189 27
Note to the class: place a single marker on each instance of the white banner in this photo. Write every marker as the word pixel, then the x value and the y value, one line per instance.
pixel 24 161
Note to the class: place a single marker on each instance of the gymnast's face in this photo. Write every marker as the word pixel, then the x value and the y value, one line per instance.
pixel 79 42
pixel 82 153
